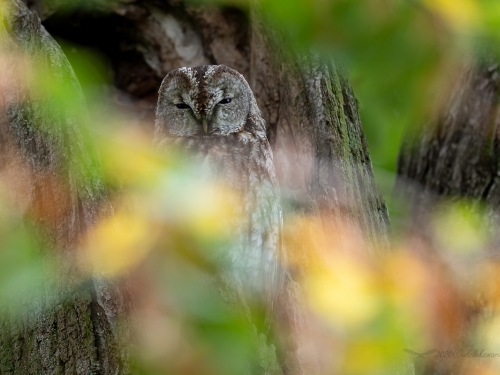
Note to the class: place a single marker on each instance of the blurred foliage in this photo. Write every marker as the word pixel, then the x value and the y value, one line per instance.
pixel 24 270
pixel 170 233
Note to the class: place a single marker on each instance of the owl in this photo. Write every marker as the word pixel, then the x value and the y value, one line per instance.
pixel 211 112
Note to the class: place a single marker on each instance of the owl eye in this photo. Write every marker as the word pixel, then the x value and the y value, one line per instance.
pixel 182 106
pixel 225 101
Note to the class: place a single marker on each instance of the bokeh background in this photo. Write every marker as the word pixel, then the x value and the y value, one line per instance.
pixel 166 233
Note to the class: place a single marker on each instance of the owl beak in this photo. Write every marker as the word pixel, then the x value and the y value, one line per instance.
pixel 204 124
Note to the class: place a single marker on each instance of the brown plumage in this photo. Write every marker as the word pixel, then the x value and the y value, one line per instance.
pixel 211 112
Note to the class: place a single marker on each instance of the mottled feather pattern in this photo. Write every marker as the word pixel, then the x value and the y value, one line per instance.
pixel 236 147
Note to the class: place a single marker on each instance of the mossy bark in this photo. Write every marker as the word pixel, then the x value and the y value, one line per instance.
pixel 321 153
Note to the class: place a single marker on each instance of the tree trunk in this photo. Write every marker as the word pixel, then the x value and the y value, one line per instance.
pixel 313 124
pixel 455 158
pixel 312 117
pixel 457 153
pixel 69 330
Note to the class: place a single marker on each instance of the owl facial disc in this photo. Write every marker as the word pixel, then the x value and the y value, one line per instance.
pixel 210 100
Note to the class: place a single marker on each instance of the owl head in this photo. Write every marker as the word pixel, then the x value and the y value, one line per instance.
pixel 204 101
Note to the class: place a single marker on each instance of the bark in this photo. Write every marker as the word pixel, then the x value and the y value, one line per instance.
pixel 311 112
pixel 320 150
pixel 313 124
pixel 455 156
pixel 68 329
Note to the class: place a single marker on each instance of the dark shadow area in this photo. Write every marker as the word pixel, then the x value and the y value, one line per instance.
pixel 113 63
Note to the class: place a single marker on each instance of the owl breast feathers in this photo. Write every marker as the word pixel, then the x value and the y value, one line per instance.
pixel 211 112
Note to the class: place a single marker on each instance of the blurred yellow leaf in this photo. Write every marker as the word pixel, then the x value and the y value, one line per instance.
pixel 460 228
pixel 211 212
pixel 370 356
pixel 345 293
pixel 118 243
pixel 459 14
pixel 489 334
pixel 130 158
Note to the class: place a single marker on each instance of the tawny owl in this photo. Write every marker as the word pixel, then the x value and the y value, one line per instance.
pixel 212 112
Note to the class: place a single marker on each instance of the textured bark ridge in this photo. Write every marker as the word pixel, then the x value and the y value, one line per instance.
pixel 457 153
pixel 68 330
pixel 313 125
